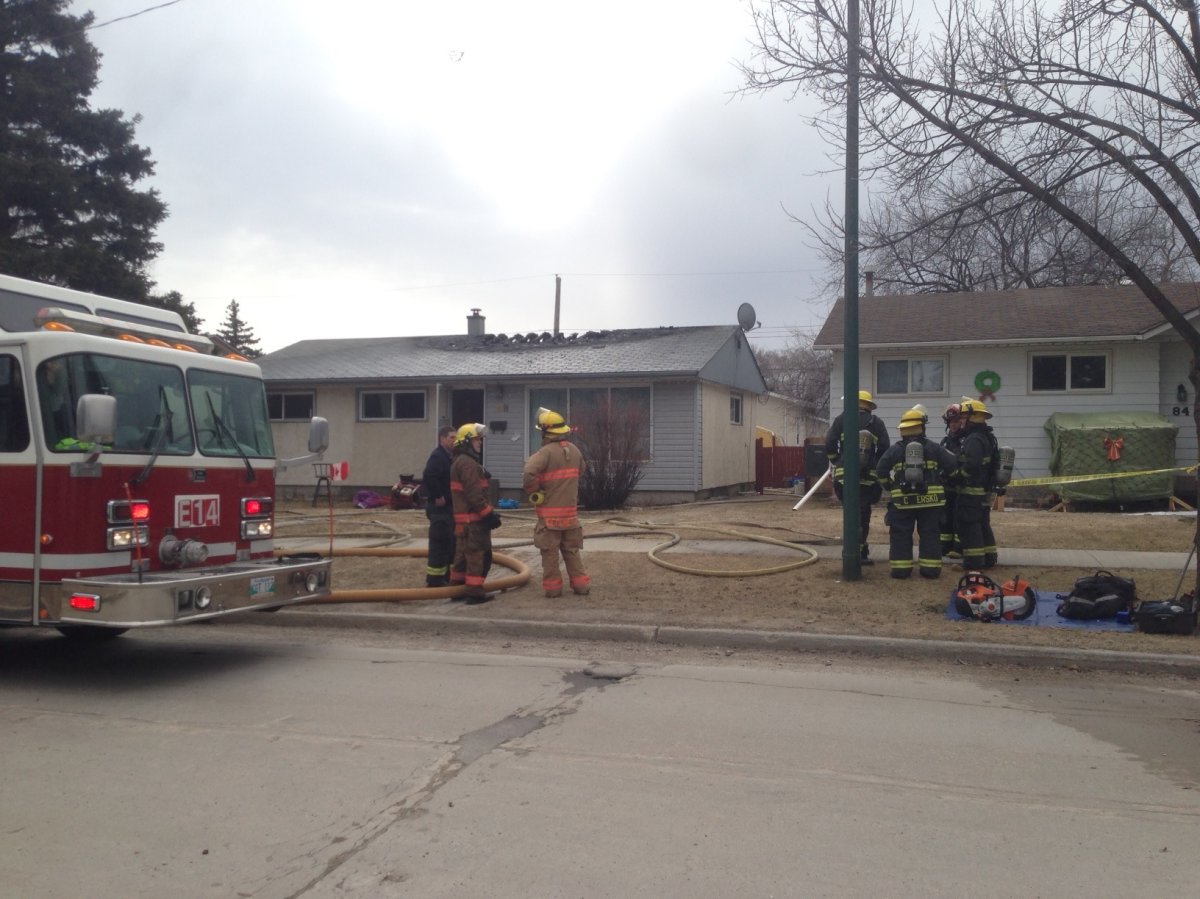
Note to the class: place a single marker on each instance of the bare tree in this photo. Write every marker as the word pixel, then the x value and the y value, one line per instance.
pixel 956 236
pixel 799 372
pixel 1046 101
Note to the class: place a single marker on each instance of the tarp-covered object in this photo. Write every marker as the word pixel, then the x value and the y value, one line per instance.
pixel 1103 442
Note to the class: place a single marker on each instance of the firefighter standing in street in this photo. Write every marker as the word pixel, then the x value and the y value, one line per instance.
pixel 474 517
pixel 439 509
pixel 979 459
pixel 551 478
pixel 955 422
pixel 872 445
pixel 915 471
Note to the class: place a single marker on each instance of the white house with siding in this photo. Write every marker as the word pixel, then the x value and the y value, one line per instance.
pixel 386 397
pixel 1027 354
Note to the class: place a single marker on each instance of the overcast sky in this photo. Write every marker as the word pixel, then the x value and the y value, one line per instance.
pixel 382 167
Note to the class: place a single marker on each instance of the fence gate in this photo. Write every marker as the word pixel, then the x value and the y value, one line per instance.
pixel 775 466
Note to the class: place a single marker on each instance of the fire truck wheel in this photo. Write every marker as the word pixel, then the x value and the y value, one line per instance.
pixel 84 633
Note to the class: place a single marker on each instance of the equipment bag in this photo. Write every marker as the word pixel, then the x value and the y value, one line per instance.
pixel 1167 616
pixel 1099 595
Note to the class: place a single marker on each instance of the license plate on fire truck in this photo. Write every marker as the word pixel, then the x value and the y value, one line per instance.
pixel 261 586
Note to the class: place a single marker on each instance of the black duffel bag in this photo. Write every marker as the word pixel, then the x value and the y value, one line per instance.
pixel 1099 595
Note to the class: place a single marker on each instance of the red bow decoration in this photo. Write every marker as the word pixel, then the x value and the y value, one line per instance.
pixel 1113 446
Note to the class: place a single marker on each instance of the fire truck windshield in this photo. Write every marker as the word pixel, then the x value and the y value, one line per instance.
pixel 152 407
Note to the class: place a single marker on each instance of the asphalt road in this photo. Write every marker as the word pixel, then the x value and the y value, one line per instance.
pixel 252 761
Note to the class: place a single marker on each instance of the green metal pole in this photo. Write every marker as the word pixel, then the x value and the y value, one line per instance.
pixel 851 523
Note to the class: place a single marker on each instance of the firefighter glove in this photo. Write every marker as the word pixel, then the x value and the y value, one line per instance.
pixel 492 520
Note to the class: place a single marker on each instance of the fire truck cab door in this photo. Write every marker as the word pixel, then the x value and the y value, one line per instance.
pixel 18 475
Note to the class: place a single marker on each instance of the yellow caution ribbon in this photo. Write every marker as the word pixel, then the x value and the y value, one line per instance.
pixel 1079 478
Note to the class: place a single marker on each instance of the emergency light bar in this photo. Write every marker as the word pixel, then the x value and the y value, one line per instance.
pixel 54 318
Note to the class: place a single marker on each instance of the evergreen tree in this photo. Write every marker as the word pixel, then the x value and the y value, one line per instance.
pixel 239 335
pixel 70 212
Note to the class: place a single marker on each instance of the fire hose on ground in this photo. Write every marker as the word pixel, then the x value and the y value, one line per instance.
pixel 521 572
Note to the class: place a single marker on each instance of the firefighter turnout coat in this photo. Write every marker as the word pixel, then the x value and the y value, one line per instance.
pixel 473 534
pixel 554 471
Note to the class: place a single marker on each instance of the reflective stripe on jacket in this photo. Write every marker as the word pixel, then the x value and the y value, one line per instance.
pixel 468 490
pixel 554 470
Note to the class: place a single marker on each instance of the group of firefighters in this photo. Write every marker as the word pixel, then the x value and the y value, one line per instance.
pixel 942 490
pixel 461 517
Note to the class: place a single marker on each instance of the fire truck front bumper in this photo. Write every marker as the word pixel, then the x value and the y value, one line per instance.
pixel 195 594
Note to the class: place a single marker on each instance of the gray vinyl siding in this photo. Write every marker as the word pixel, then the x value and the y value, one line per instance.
pixel 1175 359
pixel 676 455
pixel 1019 414
pixel 504 456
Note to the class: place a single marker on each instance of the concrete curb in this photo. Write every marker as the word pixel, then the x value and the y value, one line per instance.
pixel 731 638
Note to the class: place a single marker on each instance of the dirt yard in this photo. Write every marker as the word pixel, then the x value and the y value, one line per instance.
pixel 628 586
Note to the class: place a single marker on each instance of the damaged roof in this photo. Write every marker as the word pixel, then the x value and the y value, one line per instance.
pixel 657 352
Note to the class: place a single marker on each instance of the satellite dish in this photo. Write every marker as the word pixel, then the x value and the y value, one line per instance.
pixel 746 316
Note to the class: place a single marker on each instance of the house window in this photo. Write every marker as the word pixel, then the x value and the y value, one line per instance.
pixel 925 374
pixel 391 405
pixel 1061 372
pixel 610 420
pixel 735 408
pixel 291 406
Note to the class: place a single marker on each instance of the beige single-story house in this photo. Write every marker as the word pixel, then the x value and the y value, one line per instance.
pixel 695 388
pixel 1028 354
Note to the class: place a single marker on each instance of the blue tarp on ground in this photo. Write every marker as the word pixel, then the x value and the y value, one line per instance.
pixel 1047 615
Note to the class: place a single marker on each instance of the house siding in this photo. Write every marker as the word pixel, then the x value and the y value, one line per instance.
pixel 1019 414
pixel 728 447
pixel 675 462
pixel 1175 361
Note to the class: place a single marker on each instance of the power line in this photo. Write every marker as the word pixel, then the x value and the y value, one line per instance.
pixel 132 15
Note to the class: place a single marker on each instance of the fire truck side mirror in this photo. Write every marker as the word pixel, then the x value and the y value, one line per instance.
pixel 318 435
pixel 96 418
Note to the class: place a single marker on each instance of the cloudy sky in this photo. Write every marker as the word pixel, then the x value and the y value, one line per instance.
pixel 382 167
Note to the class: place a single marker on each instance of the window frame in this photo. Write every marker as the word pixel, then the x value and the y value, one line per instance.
pixel 391 395
pixel 1067 356
pixel 284 396
pixel 562 403
pixel 908 375
pixel 737 408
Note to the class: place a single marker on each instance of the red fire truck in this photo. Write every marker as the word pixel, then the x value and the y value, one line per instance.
pixel 138 471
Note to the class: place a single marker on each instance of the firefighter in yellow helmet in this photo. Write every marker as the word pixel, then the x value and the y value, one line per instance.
pixel 873 443
pixel 915 470
pixel 551 478
pixel 980 459
pixel 474 517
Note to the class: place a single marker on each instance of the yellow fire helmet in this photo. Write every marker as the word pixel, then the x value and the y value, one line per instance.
pixel 469 432
pixel 976 409
pixel 913 420
pixel 551 422
pixel 865 400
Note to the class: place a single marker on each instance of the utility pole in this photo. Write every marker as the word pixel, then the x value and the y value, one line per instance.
pixel 557 301
pixel 851 523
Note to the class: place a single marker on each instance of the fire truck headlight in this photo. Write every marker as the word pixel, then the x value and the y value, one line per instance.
pixel 203 597
pixel 257 530
pixel 127 537
pixel 311 582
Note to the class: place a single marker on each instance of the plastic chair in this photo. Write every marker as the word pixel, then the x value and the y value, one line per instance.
pixel 323 473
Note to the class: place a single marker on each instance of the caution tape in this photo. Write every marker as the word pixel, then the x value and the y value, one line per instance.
pixel 1079 478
